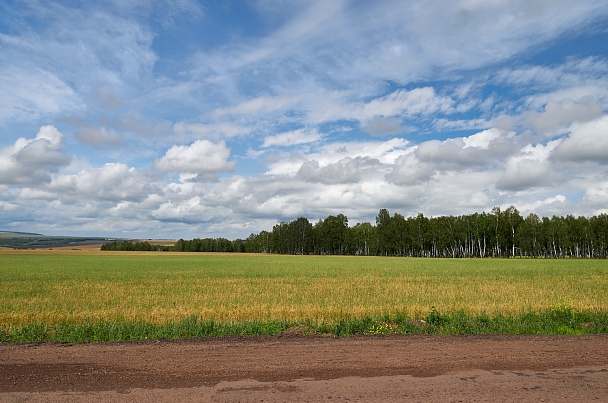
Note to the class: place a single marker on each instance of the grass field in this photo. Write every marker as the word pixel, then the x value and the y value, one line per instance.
pixel 68 289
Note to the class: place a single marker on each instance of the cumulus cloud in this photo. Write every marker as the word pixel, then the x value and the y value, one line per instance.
pixel 385 152
pixel 31 161
pixel 477 150
pixel 201 158
pixel 529 168
pixel 112 182
pixel 453 193
pixel 597 198
pixel 408 170
pixel 481 151
pixel 186 211
pixel 346 170
pixel 559 112
pixel 548 207
pixel 587 142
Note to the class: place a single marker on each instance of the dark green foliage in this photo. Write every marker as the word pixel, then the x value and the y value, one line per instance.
pixel 349 327
pixel 330 236
pixel 497 234
pixel 434 318
pixel 133 246
pixel 209 245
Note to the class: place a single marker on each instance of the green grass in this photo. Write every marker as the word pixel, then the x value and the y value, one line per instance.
pixel 113 296
pixel 545 322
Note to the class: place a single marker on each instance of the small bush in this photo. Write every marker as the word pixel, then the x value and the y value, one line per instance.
pixel 435 318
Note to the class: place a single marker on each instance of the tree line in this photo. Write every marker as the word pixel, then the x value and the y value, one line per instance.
pixel 144 246
pixel 501 233
pixel 193 245
pixel 209 245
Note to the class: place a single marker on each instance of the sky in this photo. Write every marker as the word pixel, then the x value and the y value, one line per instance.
pixel 183 118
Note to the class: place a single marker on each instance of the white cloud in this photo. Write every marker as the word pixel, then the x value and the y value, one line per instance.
pixel 484 139
pixel 32 161
pixel 36 194
pixel 447 125
pixel 203 158
pixel 28 94
pixel 557 113
pixel 454 193
pixel 296 137
pixel 347 170
pixel 548 207
pixel 556 96
pixel 385 152
pixel 572 73
pixel 596 198
pixel 482 151
pixel 419 101
pixel 368 44
pixel 587 142
pixel 189 210
pixel 409 171
pixel 70 54
pixel 113 182
pixel 529 168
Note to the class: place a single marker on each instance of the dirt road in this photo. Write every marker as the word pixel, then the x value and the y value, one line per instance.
pixel 295 368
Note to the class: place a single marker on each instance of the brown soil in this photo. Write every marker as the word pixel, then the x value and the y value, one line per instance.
pixel 311 368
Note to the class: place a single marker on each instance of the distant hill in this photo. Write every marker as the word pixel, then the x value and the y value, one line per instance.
pixel 15 234
pixel 26 240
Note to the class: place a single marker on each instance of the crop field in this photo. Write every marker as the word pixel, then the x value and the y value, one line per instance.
pixel 68 289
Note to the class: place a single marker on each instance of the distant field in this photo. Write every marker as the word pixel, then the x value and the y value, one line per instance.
pixel 24 240
pixel 71 287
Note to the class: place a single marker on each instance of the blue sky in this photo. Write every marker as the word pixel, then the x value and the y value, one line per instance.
pixel 221 118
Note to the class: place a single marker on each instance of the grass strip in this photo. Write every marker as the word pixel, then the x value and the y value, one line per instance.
pixel 554 321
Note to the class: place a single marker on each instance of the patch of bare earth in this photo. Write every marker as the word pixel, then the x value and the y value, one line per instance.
pixel 293 367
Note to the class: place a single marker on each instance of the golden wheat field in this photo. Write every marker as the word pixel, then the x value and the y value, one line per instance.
pixel 69 286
